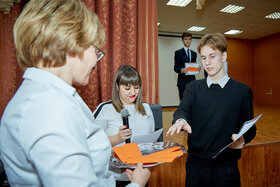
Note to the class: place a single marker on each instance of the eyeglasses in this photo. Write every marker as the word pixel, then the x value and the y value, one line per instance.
pixel 99 53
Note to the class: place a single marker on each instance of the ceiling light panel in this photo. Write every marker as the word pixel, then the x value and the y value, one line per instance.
pixel 232 9
pixel 196 29
pixel 233 32
pixel 275 15
pixel 180 3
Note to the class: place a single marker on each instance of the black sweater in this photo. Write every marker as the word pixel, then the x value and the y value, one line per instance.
pixel 214 114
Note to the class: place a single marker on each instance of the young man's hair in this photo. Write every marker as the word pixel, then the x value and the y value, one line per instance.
pixel 215 41
pixel 47 30
pixel 186 34
pixel 127 75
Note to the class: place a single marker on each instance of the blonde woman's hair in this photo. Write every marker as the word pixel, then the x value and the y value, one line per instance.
pixel 47 30
pixel 127 75
pixel 215 41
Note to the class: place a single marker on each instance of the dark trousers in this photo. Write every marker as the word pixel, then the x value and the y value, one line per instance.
pixel 218 175
pixel 181 90
pixel 124 183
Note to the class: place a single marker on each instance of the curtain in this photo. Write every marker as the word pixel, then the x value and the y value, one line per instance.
pixel 147 49
pixel 10 73
pixel 131 38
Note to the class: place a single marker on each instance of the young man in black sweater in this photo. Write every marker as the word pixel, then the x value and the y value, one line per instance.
pixel 212 111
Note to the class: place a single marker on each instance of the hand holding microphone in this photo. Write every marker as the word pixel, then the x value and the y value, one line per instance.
pixel 124 114
pixel 124 133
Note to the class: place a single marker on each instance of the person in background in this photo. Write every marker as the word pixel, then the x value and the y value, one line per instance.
pixel 126 94
pixel 182 56
pixel 212 111
pixel 47 134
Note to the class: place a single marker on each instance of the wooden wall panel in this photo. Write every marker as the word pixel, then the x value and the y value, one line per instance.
pixel 241 61
pixel 259 167
pixel 169 174
pixel 267 66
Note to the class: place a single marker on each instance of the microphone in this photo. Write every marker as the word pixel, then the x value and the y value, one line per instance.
pixel 124 114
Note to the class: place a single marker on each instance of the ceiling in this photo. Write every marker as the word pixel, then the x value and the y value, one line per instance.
pixel 250 20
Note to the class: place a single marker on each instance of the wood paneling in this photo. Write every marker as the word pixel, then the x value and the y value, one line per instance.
pixel 256 63
pixel 169 174
pixel 259 166
pixel 266 66
pixel 241 61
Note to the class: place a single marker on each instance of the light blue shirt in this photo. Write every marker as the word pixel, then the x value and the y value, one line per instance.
pixel 222 82
pixel 48 138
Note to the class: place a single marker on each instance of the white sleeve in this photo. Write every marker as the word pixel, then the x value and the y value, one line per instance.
pixel 151 120
pixel 100 119
pixel 133 185
pixel 55 143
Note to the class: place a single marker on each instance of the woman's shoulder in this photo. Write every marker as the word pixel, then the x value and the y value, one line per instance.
pixel 147 108
pixel 146 105
pixel 103 107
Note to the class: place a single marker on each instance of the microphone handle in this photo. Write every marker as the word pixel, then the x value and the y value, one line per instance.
pixel 125 122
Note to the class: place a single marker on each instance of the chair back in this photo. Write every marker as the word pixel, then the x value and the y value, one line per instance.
pixel 157 113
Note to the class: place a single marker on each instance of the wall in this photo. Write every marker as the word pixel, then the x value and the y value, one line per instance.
pixel 167 45
pixel 259 166
pixel 241 61
pixel 267 66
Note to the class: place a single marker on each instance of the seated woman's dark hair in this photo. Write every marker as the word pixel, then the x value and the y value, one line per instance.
pixel 127 75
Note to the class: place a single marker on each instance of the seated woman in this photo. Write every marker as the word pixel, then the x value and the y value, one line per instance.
pixel 126 93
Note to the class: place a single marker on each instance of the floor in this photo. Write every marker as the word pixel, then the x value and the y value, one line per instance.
pixel 268 126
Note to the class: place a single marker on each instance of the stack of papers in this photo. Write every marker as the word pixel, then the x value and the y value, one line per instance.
pixel 131 154
pixel 147 138
pixel 246 126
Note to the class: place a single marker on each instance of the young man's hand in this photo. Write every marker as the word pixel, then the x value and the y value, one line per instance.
pixel 238 144
pixel 179 125
pixel 184 70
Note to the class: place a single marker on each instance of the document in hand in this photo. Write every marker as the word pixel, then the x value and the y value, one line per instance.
pixel 192 68
pixel 246 126
pixel 147 138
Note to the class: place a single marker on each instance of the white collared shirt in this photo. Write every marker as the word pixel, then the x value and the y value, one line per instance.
pixel 222 82
pixel 48 138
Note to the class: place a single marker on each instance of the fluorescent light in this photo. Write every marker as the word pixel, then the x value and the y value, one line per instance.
pixel 232 9
pixel 233 32
pixel 195 28
pixel 275 15
pixel 181 3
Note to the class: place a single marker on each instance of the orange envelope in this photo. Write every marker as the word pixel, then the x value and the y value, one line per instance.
pixel 130 154
pixel 128 151
pixel 192 69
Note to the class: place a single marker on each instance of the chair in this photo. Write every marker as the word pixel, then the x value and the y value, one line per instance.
pixel 157 113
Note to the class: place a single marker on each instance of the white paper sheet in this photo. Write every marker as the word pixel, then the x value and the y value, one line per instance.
pixel 147 138
pixel 192 65
pixel 246 126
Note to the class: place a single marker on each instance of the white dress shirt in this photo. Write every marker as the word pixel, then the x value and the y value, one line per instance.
pixel 47 137
pixel 222 82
